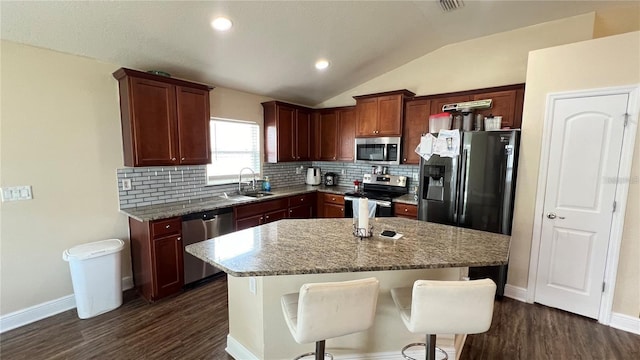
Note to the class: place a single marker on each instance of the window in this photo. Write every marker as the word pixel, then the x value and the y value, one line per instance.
pixel 235 145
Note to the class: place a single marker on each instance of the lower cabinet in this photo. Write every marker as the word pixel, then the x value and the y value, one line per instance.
pixel 405 211
pixel 156 256
pixel 330 205
pixel 260 213
pixel 302 206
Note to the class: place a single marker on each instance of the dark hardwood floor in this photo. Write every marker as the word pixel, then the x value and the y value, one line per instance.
pixel 194 325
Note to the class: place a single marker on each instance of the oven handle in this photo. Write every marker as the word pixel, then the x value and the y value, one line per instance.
pixel 378 202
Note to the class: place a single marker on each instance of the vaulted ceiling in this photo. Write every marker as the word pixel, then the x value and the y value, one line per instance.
pixel 273 45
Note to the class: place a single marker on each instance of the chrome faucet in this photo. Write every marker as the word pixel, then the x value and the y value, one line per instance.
pixel 253 186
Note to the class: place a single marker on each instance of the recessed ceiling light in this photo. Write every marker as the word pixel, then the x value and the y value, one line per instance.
pixel 322 64
pixel 221 24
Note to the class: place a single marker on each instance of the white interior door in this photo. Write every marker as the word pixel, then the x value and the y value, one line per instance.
pixel 586 141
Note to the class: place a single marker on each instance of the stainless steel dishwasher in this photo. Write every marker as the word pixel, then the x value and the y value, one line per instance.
pixel 198 227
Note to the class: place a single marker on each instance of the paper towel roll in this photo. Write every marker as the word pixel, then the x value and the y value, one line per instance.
pixel 363 216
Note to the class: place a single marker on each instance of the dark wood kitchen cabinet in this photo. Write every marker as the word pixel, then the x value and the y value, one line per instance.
pixel 302 206
pixel 416 123
pixel 405 211
pixel 380 114
pixel 156 254
pixel 165 121
pixel 507 102
pixel 287 132
pixel 335 134
pixel 260 213
pixel 330 205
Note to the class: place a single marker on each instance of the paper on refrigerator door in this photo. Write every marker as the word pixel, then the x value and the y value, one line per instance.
pixel 425 148
pixel 447 144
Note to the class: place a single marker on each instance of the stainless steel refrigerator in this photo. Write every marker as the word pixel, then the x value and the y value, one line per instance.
pixel 474 189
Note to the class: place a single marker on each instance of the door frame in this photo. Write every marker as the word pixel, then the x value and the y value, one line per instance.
pixel 622 189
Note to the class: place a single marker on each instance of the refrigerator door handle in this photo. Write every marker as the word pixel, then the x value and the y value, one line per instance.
pixel 462 190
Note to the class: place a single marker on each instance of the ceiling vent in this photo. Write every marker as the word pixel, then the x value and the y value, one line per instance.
pixel 450 5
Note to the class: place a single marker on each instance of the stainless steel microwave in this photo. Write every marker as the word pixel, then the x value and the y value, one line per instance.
pixel 379 150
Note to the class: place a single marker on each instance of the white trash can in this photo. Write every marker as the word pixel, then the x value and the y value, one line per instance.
pixel 96 276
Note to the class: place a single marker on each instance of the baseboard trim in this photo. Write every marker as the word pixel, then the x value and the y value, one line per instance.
pixel 515 292
pixel 44 310
pixel 239 352
pixel 625 322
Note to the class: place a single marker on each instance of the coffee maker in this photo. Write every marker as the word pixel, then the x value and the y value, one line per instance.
pixel 313 176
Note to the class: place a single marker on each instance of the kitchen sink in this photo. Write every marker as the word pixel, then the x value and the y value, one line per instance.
pixel 258 194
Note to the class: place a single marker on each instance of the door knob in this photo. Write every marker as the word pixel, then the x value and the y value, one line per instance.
pixel 551 215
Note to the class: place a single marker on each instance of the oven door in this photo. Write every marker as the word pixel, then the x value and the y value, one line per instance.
pixel 383 208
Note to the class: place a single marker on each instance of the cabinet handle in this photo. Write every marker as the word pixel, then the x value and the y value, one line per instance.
pixel 404 160
pixel 290 211
pixel 405 209
pixel 333 199
pixel 267 216
pixel 179 239
pixel 168 226
pixel 302 199
pixel 182 159
pixel 173 159
pixel 342 209
pixel 334 158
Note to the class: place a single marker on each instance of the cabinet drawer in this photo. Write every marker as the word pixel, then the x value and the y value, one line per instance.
pixel 333 199
pixel 304 199
pixel 262 207
pixel 405 210
pixel 165 227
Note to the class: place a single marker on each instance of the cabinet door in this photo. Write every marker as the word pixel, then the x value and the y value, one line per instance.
pixel 286 133
pixel 436 104
pixel 504 104
pixel 153 117
pixel 193 126
pixel 389 115
pixel 275 215
pixel 346 134
pixel 249 222
pixel 416 123
pixel 366 117
pixel 167 265
pixel 301 212
pixel 328 135
pixel 303 135
pixel 333 210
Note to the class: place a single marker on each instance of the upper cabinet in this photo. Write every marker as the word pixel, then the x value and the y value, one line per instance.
pixel 380 114
pixel 287 132
pixel 335 134
pixel 165 121
pixel 416 123
pixel 507 102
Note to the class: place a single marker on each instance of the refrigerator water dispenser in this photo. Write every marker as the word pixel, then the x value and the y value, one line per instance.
pixel 435 182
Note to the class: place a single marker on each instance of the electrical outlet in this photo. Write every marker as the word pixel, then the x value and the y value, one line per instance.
pixel 299 169
pixel 126 184
pixel 343 171
pixel 252 285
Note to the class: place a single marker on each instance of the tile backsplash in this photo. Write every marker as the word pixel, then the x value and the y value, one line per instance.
pixel 161 185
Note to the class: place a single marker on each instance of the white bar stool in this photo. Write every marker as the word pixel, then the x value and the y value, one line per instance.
pixel 326 310
pixel 445 307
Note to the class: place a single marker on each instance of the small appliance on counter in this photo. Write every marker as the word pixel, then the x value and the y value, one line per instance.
pixel 330 179
pixel 313 176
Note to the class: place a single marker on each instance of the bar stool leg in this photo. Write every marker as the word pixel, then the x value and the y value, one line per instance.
pixel 320 350
pixel 430 347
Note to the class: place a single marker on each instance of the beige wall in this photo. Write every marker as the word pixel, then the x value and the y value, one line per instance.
pixel 61 135
pixel 617 20
pixel 233 104
pixel 583 65
pixel 494 60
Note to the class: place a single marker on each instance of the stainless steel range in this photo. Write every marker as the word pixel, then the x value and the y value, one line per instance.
pixel 381 189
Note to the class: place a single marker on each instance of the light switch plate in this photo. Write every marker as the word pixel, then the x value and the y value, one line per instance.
pixel 15 193
pixel 126 184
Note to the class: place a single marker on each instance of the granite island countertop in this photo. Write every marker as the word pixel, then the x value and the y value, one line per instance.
pixel 312 246
pixel 164 211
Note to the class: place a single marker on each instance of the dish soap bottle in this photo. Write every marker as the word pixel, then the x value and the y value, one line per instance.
pixel 266 185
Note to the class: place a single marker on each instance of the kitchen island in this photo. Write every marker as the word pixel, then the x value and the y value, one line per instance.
pixel 268 261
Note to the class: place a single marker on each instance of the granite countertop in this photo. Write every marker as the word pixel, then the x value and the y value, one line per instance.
pixel 163 211
pixel 310 246
pixel 406 199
